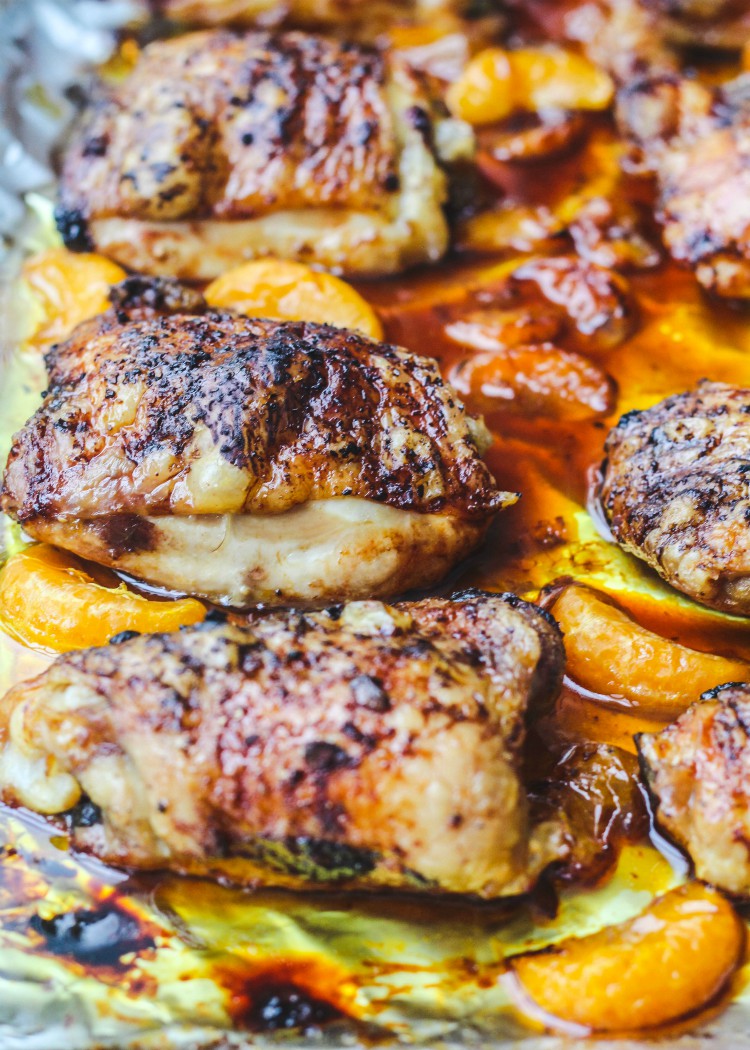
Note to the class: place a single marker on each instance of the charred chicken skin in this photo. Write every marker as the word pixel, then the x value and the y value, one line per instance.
pixel 698 770
pixel 636 38
pixel 222 147
pixel 692 137
pixel 627 37
pixel 723 24
pixel 675 489
pixel 695 139
pixel 371 17
pixel 249 460
pixel 373 745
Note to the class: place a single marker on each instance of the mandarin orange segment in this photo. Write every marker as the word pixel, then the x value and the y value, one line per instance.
pixel 47 599
pixel 485 91
pixel 290 291
pixel 664 964
pixel 612 655
pixel 69 288
pixel 497 82
pixel 559 79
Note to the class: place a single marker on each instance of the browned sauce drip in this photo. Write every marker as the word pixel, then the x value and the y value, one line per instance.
pixel 291 994
pixel 580 755
pixel 92 937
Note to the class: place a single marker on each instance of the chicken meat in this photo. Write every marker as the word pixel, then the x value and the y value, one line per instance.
pixel 675 488
pixel 625 37
pixel 722 24
pixel 371 17
pixel 366 744
pixel 696 141
pixel 636 38
pixel 693 137
pixel 698 771
pixel 249 460
pixel 222 147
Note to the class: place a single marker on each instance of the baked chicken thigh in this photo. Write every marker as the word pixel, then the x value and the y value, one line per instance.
pixel 675 488
pixel 249 460
pixel 723 24
pixel 372 16
pixel 374 745
pixel 222 147
pixel 639 38
pixel 698 770
pixel 696 140
pixel 692 137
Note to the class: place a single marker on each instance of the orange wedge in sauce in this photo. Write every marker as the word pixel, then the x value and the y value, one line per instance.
pixel 48 599
pixel 291 291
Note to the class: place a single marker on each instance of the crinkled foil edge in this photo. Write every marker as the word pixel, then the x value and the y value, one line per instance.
pixel 48 49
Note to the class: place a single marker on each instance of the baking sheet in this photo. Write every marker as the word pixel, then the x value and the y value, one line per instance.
pixel 413 972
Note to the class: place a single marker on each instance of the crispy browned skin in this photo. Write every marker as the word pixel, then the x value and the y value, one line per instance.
pixel 723 24
pixel 299 410
pixel 153 415
pixel 234 126
pixel 698 770
pixel 676 491
pixel 697 142
pixel 270 12
pixel 371 17
pixel 220 128
pixel 374 745
pixel 636 38
pixel 626 37
pixel 693 138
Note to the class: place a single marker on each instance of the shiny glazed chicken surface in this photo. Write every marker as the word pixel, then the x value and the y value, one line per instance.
pixel 698 770
pixel 636 38
pixel 372 746
pixel 692 136
pixel 676 493
pixel 249 460
pixel 368 744
pixel 695 140
pixel 723 24
pixel 222 147
pixel 372 16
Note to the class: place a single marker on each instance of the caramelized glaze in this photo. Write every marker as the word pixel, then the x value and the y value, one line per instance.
pixel 398 946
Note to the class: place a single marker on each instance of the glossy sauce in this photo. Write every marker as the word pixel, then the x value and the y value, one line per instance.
pixel 279 961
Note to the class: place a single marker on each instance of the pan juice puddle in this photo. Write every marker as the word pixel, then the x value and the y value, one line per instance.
pixel 103 957
pixel 204 957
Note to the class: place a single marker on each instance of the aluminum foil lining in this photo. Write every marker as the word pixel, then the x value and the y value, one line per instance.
pixel 48 51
